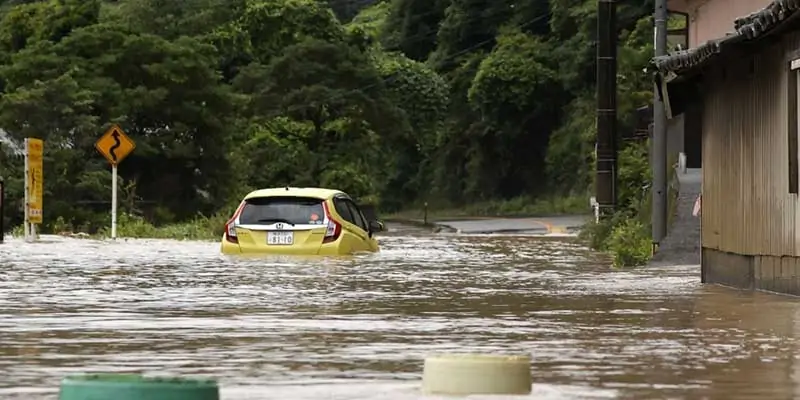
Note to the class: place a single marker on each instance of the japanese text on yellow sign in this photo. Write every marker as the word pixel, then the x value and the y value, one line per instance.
pixel 34 152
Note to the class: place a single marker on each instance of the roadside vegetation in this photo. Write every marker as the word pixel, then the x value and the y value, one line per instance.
pixel 478 108
pixel 198 228
pixel 516 207
pixel 626 235
pixel 133 226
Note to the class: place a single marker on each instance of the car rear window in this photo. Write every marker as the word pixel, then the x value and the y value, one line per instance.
pixel 294 210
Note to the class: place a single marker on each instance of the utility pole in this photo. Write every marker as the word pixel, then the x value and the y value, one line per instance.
pixel 2 209
pixel 659 144
pixel 606 179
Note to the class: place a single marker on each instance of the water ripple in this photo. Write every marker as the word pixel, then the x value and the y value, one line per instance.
pixel 359 327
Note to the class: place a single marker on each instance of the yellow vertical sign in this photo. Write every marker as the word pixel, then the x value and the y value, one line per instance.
pixel 35 152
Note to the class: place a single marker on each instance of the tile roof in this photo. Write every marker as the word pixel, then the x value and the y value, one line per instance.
pixel 747 28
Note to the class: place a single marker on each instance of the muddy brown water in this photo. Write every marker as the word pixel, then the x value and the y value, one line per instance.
pixel 360 327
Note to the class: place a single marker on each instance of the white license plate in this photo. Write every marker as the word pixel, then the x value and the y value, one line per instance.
pixel 280 238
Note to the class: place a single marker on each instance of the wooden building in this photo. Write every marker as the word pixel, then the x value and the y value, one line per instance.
pixel 741 90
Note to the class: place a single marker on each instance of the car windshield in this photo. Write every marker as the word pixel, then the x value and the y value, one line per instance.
pixel 289 210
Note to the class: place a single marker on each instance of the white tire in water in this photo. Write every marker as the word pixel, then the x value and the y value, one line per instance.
pixel 466 374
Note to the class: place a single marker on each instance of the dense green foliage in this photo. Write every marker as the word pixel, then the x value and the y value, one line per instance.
pixel 626 233
pixel 450 102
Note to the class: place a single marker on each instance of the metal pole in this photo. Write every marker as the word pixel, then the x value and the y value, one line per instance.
pixel 606 107
pixel 26 218
pixel 659 145
pixel 2 210
pixel 113 202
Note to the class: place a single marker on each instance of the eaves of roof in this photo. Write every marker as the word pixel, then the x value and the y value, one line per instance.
pixel 746 29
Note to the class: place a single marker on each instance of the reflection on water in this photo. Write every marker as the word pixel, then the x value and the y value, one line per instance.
pixel 360 327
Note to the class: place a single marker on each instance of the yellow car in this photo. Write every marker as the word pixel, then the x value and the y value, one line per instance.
pixel 308 221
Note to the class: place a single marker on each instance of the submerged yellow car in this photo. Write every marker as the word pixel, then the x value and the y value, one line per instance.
pixel 308 221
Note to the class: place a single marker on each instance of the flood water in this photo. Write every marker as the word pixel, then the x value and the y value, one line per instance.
pixel 360 328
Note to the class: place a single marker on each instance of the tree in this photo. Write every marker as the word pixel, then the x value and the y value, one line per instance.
pixel 160 91
pixel 423 97
pixel 327 99
pixel 412 26
pixel 507 91
pixel 444 101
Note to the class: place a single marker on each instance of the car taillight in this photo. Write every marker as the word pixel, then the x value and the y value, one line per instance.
pixel 230 226
pixel 334 229
pixel 230 232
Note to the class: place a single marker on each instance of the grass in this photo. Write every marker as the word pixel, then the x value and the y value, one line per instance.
pixel 517 207
pixel 131 226
pixel 200 228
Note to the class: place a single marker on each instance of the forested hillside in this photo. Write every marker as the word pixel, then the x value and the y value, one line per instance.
pixel 396 102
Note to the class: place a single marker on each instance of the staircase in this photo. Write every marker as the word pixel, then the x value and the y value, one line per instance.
pixel 682 244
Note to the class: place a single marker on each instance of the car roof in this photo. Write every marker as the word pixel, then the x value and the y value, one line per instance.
pixel 318 193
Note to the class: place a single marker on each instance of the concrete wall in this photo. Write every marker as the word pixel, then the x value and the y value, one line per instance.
pixel 675 135
pixel 713 19
pixel 684 134
pixel 765 273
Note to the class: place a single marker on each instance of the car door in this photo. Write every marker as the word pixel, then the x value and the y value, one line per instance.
pixel 353 238
pixel 368 243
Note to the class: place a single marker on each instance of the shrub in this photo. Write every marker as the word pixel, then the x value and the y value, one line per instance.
pixel 630 244
pixel 200 228
pixel 595 234
pixel 625 235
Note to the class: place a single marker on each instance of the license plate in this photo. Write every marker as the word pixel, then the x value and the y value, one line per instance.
pixel 280 238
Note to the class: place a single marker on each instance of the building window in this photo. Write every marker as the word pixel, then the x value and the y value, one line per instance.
pixel 794 120
pixel 677 31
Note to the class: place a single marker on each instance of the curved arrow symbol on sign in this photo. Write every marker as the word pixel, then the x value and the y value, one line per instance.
pixel 115 146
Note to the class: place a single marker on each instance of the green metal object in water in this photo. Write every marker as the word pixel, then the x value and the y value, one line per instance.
pixel 136 387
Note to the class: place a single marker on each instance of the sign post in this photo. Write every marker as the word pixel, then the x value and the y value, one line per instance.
pixel 114 145
pixel 113 201
pixel 2 211
pixel 34 188
pixel 26 224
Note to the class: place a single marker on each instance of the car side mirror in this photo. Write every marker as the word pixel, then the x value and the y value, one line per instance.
pixel 376 226
pixel 369 211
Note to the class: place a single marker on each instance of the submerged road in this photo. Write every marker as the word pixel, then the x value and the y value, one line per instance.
pixel 536 226
pixel 360 327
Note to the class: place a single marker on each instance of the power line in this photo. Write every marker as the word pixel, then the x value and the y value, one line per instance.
pixel 434 33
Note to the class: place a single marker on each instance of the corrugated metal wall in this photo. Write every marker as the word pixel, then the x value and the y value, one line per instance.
pixel 747 207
